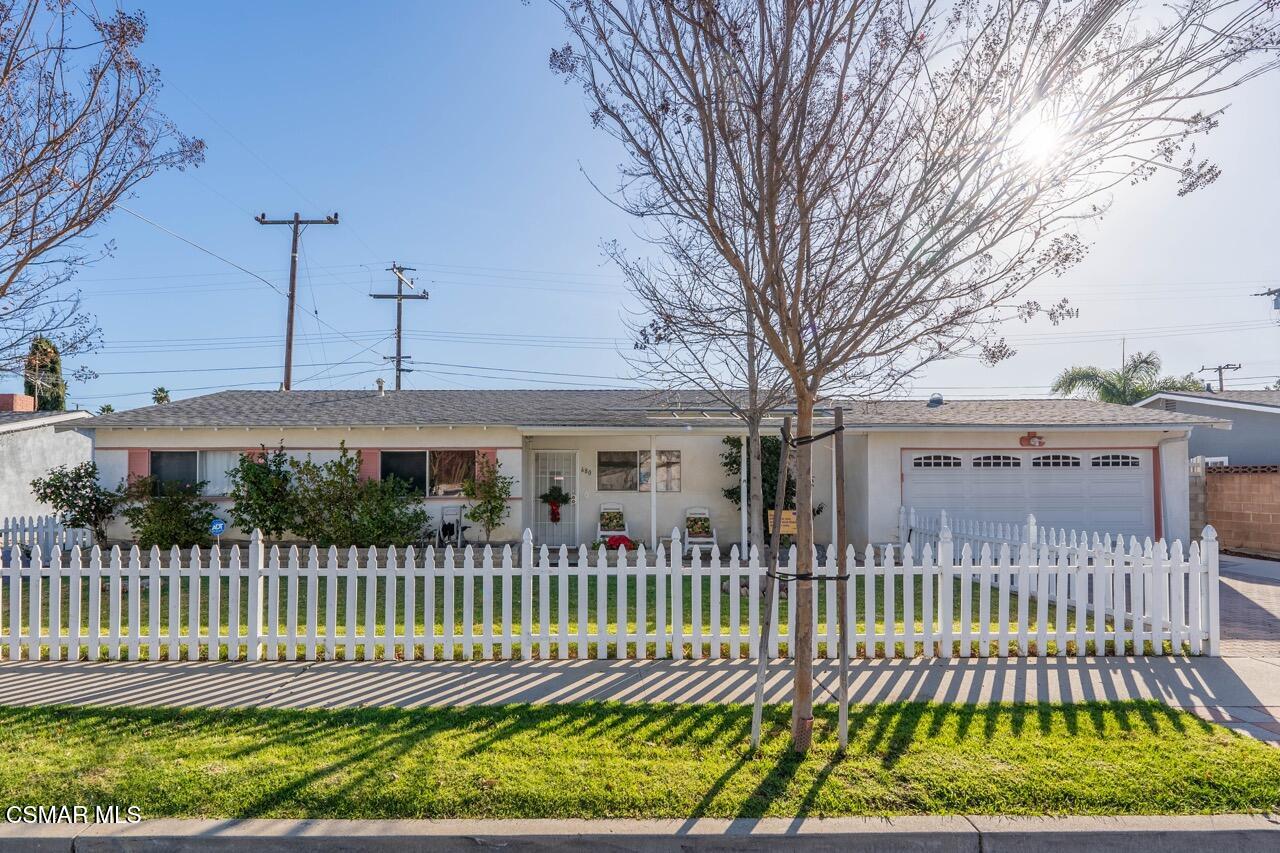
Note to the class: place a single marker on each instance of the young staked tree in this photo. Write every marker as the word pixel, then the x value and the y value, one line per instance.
pixel 79 129
pixel 886 179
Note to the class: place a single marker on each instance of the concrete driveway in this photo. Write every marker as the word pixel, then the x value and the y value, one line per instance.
pixel 1249 606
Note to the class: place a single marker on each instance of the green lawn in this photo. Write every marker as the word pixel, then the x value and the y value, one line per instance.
pixel 605 760
pixel 723 599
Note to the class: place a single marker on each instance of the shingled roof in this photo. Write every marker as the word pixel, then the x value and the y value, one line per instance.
pixel 597 408
pixel 1253 398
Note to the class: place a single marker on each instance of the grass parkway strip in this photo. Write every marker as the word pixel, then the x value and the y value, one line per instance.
pixel 638 761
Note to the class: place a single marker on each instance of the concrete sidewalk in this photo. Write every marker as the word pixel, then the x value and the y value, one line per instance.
pixel 957 834
pixel 1242 692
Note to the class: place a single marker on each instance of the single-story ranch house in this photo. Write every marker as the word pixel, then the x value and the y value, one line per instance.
pixel 656 454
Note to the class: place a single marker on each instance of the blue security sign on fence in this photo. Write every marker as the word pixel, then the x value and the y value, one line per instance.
pixel 216 527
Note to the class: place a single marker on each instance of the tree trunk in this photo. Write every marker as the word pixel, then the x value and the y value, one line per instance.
pixel 755 486
pixel 802 707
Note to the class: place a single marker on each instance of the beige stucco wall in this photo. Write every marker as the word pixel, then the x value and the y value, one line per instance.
pixel 702 482
pixel 112 444
pixel 881 489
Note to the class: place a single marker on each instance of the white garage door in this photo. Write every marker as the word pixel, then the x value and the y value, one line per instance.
pixel 1098 490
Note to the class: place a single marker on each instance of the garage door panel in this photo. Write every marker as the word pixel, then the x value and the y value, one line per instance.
pixel 1065 490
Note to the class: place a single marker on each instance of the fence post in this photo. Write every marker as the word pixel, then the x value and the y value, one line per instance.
pixel 1209 554
pixel 526 595
pixel 253 650
pixel 902 525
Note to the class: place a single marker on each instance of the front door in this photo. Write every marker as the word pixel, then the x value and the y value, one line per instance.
pixel 555 468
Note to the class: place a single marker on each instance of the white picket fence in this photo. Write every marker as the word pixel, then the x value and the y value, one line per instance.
pixel 1145 596
pixel 46 531
pixel 267 604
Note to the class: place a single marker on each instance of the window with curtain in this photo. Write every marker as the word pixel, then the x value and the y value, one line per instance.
pixel 449 470
pixel 214 467
pixel 668 470
pixel 616 471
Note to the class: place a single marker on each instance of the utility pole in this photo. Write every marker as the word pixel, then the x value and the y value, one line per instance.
pixel 1220 368
pixel 400 296
pixel 1274 293
pixel 296 222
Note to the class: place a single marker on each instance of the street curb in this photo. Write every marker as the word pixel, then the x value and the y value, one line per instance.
pixel 1173 834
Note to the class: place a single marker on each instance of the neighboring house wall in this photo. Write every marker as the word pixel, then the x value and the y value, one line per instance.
pixel 29 452
pixel 1243 505
pixel 121 453
pixel 1254 437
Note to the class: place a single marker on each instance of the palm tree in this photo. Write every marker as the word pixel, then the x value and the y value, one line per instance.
pixel 160 395
pixel 106 409
pixel 1137 380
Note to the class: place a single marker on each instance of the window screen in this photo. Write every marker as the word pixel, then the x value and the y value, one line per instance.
pixel 450 469
pixel 173 469
pixel 407 465
pixel 668 470
pixel 616 471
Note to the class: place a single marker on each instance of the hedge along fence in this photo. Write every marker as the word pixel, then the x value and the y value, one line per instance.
pixel 260 604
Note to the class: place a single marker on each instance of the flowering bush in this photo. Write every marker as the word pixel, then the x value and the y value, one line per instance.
pixel 620 541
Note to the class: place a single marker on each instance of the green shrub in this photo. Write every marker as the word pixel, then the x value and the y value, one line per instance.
pixel 262 492
pixel 75 495
pixel 167 514
pixel 333 506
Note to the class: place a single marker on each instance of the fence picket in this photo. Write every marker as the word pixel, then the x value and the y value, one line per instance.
pixel 468 601
pixel 486 605
pixel 642 602
pixel 292 570
pixel 508 568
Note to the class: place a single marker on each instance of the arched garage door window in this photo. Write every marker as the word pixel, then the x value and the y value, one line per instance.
pixel 1056 460
pixel 1115 460
pixel 936 460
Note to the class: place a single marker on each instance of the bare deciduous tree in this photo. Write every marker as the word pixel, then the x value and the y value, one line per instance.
pixel 699 333
pixel 885 179
pixel 79 129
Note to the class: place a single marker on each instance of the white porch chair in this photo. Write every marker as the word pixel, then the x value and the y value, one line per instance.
pixel 612 521
pixel 698 531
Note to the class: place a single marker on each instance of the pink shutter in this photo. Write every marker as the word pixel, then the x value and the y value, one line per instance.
pixel 490 452
pixel 370 464
pixel 139 463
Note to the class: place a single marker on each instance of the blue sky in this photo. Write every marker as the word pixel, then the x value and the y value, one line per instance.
pixel 440 136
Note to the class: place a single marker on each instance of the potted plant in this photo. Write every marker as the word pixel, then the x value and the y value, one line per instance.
pixel 555 497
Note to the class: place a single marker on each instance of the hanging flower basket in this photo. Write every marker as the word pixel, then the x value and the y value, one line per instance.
pixel 555 497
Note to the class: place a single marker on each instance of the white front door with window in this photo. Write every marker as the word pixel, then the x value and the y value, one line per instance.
pixel 1103 491
pixel 555 468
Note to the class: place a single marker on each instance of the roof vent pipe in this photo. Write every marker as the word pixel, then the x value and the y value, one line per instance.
pixel 382 391
pixel 935 400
